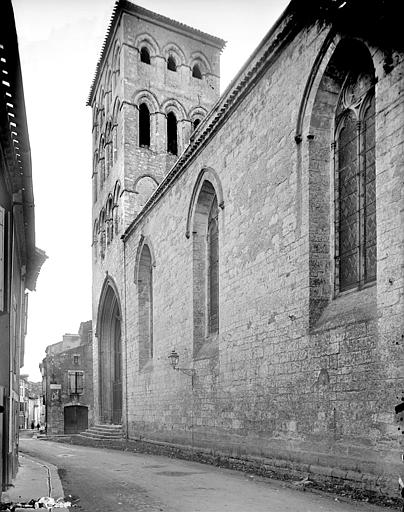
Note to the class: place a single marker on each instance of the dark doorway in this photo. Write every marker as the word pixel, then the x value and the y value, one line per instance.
pixel 110 358
pixel 76 419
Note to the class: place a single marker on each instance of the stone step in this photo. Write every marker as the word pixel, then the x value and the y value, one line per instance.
pixel 109 428
pixel 106 430
pixel 103 432
pixel 95 435
pixel 108 425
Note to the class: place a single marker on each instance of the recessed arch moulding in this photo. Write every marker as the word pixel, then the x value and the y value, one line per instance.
pixel 210 175
pixel 314 136
pixel 109 355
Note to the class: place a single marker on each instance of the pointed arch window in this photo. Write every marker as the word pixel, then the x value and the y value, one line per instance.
pixel 144 126
pixel 205 241
pixel 355 179
pixel 145 305
pixel 172 143
pixel 171 64
pixel 144 55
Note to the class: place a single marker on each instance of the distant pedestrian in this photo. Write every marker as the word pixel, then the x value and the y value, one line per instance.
pixel 32 425
pixel 38 426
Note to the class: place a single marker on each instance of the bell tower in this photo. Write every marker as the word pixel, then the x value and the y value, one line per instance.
pixel 155 81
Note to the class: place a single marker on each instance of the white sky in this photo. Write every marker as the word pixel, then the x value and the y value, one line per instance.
pixel 60 43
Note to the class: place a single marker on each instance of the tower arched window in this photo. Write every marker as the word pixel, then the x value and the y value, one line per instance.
pixel 196 123
pixel 172 137
pixel 144 125
pixel 171 64
pixel 355 180
pixel 196 72
pixel 145 55
pixel 145 305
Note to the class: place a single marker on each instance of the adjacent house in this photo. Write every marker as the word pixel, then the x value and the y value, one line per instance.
pixel 67 382
pixel 20 260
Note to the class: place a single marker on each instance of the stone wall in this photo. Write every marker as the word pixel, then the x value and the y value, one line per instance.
pixel 315 388
pixel 299 374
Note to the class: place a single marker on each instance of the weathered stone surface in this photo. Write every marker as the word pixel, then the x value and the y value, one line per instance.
pixel 302 373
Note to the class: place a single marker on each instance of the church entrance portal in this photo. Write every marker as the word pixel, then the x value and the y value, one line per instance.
pixel 110 358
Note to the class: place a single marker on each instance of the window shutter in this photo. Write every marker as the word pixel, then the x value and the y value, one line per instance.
pixel 79 383
pixel 2 257
pixel 71 378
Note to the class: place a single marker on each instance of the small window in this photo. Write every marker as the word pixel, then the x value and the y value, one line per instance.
pixel 75 359
pixel 171 64
pixel 144 126
pixel 196 72
pixel 172 144
pixel 145 55
pixel 196 123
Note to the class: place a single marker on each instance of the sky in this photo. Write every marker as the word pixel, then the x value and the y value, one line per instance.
pixel 60 42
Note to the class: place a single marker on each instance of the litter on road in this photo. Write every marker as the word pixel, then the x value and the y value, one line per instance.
pixel 44 502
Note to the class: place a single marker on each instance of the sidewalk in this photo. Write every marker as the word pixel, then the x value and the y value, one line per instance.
pixel 34 480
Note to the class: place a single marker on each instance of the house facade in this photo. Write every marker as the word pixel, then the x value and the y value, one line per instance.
pixel 266 267
pixel 20 260
pixel 67 383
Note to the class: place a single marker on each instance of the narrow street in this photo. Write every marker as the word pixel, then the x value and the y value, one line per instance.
pixel 104 480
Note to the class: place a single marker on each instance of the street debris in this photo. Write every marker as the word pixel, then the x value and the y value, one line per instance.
pixel 45 502
pixel 304 482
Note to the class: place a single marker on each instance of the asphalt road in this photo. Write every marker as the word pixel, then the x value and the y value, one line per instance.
pixel 103 480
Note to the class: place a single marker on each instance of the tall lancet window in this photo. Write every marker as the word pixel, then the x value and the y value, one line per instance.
pixel 213 269
pixel 144 126
pixel 355 180
pixel 145 306
pixel 172 141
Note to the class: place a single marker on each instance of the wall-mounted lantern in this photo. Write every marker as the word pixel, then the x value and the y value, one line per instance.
pixel 174 360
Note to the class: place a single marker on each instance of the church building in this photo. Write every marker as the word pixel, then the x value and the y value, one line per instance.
pixel 248 248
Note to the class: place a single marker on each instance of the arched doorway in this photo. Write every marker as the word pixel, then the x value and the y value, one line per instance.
pixel 110 356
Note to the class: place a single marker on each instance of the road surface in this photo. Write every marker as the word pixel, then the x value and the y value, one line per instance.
pixel 103 480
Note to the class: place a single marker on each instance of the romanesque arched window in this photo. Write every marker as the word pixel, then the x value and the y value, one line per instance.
pixel 196 72
pixel 145 305
pixel 171 64
pixel 117 193
pixel 101 156
pixel 101 228
pixel 95 240
pixel 144 125
pixel 172 141
pixel 109 223
pixel 355 181
pixel 145 55
pixel 95 177
pixel 116 67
